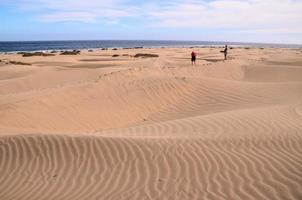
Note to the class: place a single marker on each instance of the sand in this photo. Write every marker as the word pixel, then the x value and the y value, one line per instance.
pixel 93 126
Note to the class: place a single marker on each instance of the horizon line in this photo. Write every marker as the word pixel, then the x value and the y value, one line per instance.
pixel 66 40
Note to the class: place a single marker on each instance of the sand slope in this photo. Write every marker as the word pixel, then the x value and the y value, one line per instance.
pixel 97 127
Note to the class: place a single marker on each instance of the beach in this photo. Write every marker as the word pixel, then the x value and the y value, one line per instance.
pixel 144 123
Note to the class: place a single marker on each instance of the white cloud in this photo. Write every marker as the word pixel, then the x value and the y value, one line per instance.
pixel 66 5
pixel 250 16
pixel 108 15
pixel 75 10
pixel 68 16
pixel 232 14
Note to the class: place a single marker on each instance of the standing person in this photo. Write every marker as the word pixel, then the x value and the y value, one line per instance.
pixel 193 58
pixel 225 51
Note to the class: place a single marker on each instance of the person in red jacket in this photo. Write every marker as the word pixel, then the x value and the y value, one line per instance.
pixel 193 57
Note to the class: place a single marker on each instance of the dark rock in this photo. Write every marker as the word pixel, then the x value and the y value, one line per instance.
pixel 115 55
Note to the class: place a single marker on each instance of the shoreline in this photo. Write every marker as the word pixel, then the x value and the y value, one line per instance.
pixel 91 50
pixel 90 46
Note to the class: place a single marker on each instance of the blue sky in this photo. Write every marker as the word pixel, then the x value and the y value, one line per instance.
pixel 271 21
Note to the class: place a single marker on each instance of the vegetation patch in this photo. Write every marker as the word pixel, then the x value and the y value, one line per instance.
pixel 18 63
pixel 74 52
pixel 146 55
pixel 27 54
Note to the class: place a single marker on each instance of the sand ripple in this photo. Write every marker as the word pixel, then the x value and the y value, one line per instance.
pixel 153 128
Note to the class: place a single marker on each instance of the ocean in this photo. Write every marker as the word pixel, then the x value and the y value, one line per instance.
pixel 92 44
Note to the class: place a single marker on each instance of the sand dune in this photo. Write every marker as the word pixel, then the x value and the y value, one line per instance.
pixel 152 128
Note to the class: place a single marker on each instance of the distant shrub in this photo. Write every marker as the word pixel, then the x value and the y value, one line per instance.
pixel 74 52
pixel 18 63
pixel 27 54
pixel 146 55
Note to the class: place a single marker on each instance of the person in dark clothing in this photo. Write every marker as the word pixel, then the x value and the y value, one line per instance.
pixel 225 51
pixel 193 57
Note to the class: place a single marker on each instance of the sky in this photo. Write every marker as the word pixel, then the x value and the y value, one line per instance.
pixel 266 21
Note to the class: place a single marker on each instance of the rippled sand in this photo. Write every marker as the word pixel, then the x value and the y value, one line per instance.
pixel 96 127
